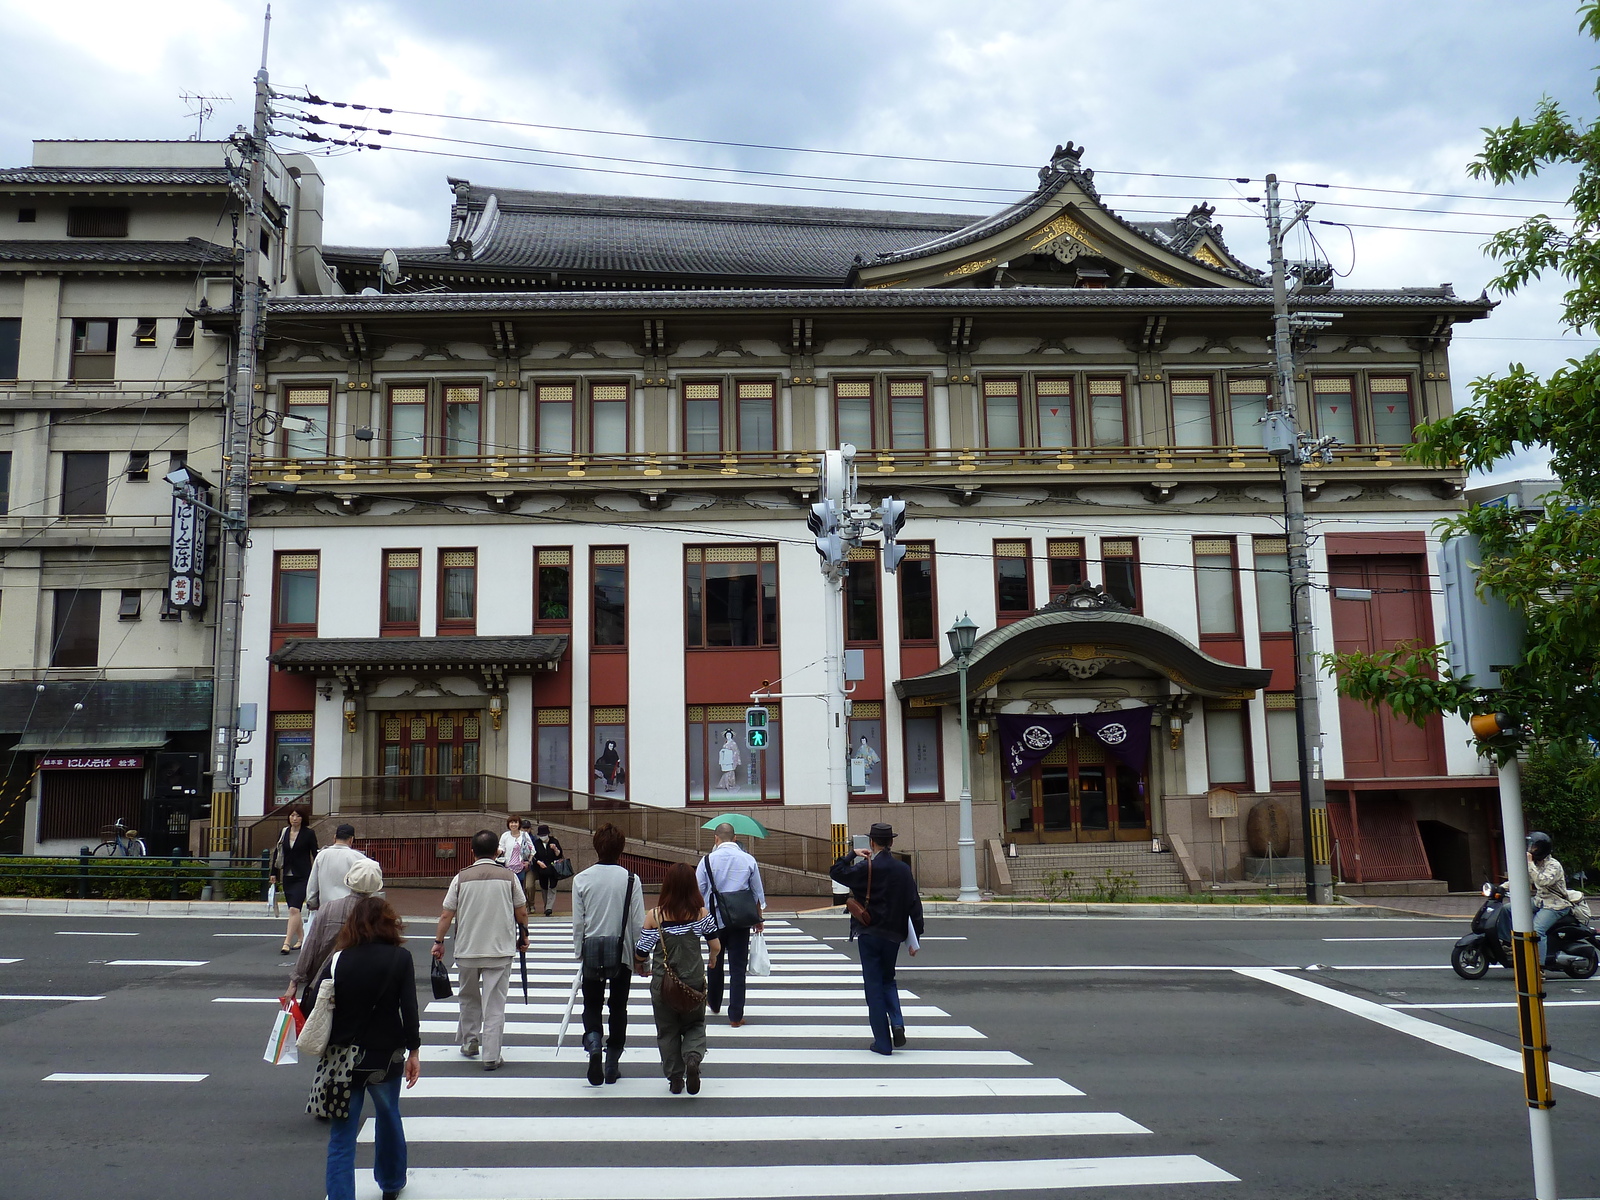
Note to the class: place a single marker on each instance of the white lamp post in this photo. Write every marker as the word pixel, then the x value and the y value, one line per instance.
pixel 963 635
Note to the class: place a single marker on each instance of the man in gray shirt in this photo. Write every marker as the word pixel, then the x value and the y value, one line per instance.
pixel 491 914
pixel 330 867
pixel 606 903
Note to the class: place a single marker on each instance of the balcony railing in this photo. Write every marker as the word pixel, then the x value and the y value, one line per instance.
pixel 789 465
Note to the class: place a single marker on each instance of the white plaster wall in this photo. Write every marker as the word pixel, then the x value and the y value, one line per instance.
pixel 658 750
pixel 801 643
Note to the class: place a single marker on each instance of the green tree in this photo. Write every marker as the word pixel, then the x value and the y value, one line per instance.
pixel 1550 567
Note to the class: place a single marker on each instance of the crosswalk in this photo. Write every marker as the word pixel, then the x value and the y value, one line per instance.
pixel 793 1104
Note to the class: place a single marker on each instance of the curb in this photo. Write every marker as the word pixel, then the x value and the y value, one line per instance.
pixel 37 906
pixel 951 908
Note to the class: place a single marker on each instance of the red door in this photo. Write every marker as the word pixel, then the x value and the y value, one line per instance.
pixel 1376 742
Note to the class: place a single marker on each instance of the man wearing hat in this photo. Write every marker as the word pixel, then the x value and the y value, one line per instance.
pixel 364 878
pixel 887 907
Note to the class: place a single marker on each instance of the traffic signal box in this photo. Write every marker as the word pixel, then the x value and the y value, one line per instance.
pixel 755 728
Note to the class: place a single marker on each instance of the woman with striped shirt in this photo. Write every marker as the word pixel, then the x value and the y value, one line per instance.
pixel 668 951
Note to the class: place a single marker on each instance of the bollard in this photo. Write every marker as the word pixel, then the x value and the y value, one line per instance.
pixel 84 858
pixel 266 873
pixel 177 866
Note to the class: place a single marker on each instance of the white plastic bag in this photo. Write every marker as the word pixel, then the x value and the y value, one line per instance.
pixel 282 1047
pixel 760 961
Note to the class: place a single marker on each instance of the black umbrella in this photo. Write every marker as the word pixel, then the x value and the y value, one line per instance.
pixel 522 953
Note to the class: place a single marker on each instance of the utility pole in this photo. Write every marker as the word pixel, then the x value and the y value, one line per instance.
pixel 235 492
pixel 1292 448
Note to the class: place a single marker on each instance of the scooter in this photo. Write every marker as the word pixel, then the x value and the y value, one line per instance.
pixel 1571 944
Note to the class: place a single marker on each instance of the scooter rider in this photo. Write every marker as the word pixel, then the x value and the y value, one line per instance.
pixel 1549 884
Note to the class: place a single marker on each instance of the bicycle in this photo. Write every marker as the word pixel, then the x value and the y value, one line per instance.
pixel 118 841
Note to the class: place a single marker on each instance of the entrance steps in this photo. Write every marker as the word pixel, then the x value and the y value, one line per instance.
pixel 1152 874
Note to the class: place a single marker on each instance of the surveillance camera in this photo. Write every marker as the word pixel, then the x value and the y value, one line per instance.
pixel 295 424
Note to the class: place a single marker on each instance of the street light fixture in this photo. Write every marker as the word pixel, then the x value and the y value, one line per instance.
pixel 963 635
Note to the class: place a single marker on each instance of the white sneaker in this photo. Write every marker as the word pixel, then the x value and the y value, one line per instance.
pixel 469 1048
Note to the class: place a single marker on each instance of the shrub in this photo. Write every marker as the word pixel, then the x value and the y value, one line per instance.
pixel 122 879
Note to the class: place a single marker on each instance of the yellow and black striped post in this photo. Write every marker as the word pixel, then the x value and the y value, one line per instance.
pixel 841 841
pixel 1531 1028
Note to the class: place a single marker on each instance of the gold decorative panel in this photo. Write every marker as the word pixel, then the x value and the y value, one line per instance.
pixel 447 728
pixel 1389 384
pixel 1011 549
pixel 1278 701
pixel 469 728
pixel 1117 548
pixel 1272 545
pixel 555 558
pixel 867 710
pixel 757 390
pixel 906 387
pixel 555 716
pixel 1328 386
pixel 298 562
pixel 1105 387
pixel 1213 545
pixel 463 394
pixel 731 554
pixel 1191 387
pixel 419 728
pixel 391 729
pixel 1002 387
pixel 408 395
pixel 702 391
pixel 609 716
pixel 1059 387
pixel 1248 387
pixel 609 391
pixel 919 552
pixel 1066 548
pixel 458 558
pixel 293 721
pixel 610 556
pixel 555 393
pixel 319 395
pixel 853 389
pixel 402 559
pixel 862 554
pixel 769 554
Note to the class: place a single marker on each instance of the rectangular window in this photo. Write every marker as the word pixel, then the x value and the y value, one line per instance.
pixel 553 754
pixel 96 221
pixel 1066 564
pixel 1108 421
pixel 1215 586
pixel 608 418
pixel 1002 412
pixel 852 403
pixel 1191 413
pixel 1272 585
pixel 730 596
pixel 169 611
pixel 1119 564
pixel 1053 409
pixel 608 566
pixel 183 336
pixel 702 418
pixel 609 743
pixel 94 350
pixel 866 750
pixel 1335 402
pixel 757 419
pixel 138 466
pixel 923 758
pixel 132 603
pixel 296 606
pixel 552 586
pixel 861 596
pixel 1013 579
pixel 84 475
pixel 1227 747
pixel 292 749
pixel 5 482
pixel 144 331
pixel 463 419
pixel 917 604
pixel 408 420
pixel 402 593
pixel 310 404
pixel 908 414
pixel 458 591
pixel 722 769
pixel 1392 419
pixel 1283 738
pixel 10 346
pixel 176 460
pixel 555 418
pixel 1247 408
pixel 75 633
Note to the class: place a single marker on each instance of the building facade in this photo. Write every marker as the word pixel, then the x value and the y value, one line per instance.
pixel 545 525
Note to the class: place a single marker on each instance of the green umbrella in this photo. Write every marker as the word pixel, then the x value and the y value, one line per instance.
pixel 748 826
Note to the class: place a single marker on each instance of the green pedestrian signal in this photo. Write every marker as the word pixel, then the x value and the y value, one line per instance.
pixel 755 728
pixel 756 739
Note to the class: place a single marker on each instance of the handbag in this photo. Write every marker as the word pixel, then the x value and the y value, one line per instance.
pixel 562 867
pixel 440 978
pixel 334 1081
pixel 603 955
pixel 856 908
pixel 677 994
pixel 760 962
pixel 319 1025
pixel 736 910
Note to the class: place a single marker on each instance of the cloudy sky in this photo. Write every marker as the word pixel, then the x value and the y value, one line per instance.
pixel 1359 93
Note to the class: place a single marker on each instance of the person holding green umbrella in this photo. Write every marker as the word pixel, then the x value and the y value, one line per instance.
pixel 730 880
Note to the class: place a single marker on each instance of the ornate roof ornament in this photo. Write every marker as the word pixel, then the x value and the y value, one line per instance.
pixel 1067 160
pixel 1083 597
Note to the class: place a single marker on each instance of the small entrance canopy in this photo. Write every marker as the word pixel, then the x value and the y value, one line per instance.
pixel 351 659
pixel 1082 643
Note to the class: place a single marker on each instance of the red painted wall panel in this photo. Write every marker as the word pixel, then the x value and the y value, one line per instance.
pixel 729 676
pixel 608 678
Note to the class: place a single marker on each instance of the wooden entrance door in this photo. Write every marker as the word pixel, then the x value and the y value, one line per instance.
pixel 1078 793
pixel 437 753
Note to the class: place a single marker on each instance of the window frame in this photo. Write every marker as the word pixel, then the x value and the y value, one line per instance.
pixel 590 386
pixel 541 622
pixel 287 402
pixel 595 645
pixel 455 626
pixel 863 711
pixel 932 560
pixel 1247 755
pixel 593 751
pixel 98 220
pixel 1137 573
pixel 1076 434
pixel 10 348
pixel 130 605
pixel 1237 631
pixel 772 413
pixel 540 722
pixel 443 439
pixel 96 494
pixel 871 397
pixel 1004 616
pixel 1268 708
pixel 138 466
pixel 721 401
pixel 1355 393
pixel 1226 401
pixel 426 388
pixel 867 556
pixel 98 360
pixel 1055 589
pixel 1411 398
pixel 1211 429
pixel 538 388
pixel 1272 545
pixel 771 786
pixel 987 398
pixel 694 556
pixel 1090 395
pixel 922 714
pixel 388 627
pixel 278 573
pixel 61 622
pixel 889 399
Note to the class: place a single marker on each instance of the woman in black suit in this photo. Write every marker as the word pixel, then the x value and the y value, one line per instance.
pixel 291 869
pixel 547 852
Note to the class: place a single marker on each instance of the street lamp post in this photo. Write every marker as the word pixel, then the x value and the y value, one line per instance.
pixel 963 635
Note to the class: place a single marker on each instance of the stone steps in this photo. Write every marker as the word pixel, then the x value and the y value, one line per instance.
pixel 1154 874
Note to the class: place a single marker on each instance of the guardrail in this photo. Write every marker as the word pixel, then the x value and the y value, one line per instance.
pixel 176 878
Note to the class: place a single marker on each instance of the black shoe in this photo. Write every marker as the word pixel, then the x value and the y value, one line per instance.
pixel 549 910
pixel 692 1076
pixel 675 1084
pixel 596 1071
pixel 394 1195
pixel 613 1068
pixel 876 1049
pixel 898 1036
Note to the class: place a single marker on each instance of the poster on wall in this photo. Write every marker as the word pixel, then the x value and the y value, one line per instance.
pixel 611 761
pixel 291 764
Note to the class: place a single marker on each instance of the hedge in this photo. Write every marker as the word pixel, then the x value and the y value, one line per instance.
pixel 126 879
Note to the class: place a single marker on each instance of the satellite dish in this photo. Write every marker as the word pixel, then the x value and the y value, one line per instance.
pixel 371 292
pixel 389 268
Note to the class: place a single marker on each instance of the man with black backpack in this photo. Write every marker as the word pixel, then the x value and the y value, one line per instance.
pixel 730 881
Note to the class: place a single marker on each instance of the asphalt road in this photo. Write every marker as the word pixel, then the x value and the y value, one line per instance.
pixel 1220 1061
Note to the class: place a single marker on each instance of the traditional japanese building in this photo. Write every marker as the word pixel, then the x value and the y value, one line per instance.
pixel 543 531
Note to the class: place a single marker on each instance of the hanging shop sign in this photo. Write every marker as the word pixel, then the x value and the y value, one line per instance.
pixel 90 762
pixel 187 565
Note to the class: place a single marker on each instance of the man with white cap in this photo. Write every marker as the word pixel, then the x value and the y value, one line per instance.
pixel 363 878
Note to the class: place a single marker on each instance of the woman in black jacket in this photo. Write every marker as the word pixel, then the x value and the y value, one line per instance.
pixel 547 852
pixel 375 1040
pixel 291 868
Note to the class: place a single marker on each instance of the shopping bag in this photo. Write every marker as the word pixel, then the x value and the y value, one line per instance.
pixel 282 1048
pixel 439 977
pixel 760 961
pixel 272 898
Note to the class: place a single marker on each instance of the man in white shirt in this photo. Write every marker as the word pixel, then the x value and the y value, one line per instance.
pixel 330 867
pixel 491 917
pixel 723 872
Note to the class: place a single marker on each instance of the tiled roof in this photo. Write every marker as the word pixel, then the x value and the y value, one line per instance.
pixel 437 653
pixel 114 177
pixel 799 299
pixel 120 252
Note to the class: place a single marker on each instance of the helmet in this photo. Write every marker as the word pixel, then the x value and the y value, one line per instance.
pixel 1539 846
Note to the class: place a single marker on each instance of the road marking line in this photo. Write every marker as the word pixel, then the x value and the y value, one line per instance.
pixel 1503 1004
pixel 639 998
pixel 1398 967
pixel 157 962
pixel 517 1007
pixel 773 1183
pixel 245 1000
pixel 560 1087
pixel 854 1127
pixel 20 996
pixel 244 935
pixel 4 962
pixel 760 1055
pixel 1438 1035
pixel 1394 939
pixel 719 1032
pixel 85 1077
pixel 92 933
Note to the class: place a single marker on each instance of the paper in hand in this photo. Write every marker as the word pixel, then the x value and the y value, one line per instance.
pixel 913 943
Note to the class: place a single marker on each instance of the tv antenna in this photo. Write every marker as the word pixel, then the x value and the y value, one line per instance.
pixel 202 110
pixel 389 270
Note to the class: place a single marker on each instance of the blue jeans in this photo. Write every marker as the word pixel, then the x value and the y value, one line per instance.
pixel 878 957
pixel 1542 920
pixel 389 1165
pixel 734 965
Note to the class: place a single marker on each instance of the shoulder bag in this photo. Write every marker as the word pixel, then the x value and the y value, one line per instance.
pixel 603 954
pixel 677 994
pixel 562 866
pixel 857 909
pixel 319 1025
pixel 736 910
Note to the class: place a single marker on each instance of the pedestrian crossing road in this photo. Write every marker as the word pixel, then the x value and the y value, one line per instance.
pixel 796 1079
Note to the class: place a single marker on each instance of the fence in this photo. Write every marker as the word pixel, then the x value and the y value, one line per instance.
pixel 177 878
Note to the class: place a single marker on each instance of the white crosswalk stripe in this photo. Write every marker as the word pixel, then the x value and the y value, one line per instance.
pixel 797 1080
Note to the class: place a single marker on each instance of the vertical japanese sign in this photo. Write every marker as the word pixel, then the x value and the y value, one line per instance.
pixel 186 569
